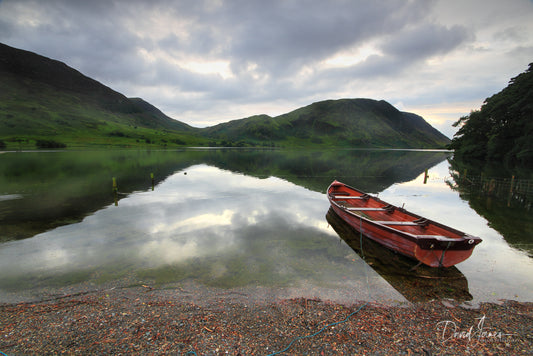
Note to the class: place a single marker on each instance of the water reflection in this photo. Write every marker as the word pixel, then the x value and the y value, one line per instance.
pixel 495 270
pixel 44 190
pixel 237 219
pixel 416 285
pixel 59 188
pixel 504 201
pixel 212 226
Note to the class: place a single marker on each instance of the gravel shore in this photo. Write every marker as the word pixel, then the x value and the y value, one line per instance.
pixel 145 321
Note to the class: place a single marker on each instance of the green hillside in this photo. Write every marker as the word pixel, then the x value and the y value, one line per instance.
pixel 344 123
pixel 44 103
pixel 45 100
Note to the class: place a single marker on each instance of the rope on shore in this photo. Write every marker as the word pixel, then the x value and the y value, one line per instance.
pixel 349 316
pixel 192 352
pixel 318 332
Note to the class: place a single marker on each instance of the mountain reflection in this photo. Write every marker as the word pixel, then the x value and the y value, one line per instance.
pixel 58 188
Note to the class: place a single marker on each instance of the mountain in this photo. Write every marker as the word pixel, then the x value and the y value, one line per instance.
pixel 46 103
pixel 344 122
pixel 41 98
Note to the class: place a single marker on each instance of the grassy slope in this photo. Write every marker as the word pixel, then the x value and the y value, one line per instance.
pixel 340 123
pixel 65 118
pixel 44 99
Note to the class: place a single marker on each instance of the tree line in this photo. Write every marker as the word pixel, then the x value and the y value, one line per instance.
pixel 502 130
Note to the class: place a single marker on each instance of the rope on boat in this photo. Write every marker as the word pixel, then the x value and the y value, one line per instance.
pixel 443 253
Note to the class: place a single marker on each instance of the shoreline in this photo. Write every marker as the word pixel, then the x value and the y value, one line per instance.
pixel 142 320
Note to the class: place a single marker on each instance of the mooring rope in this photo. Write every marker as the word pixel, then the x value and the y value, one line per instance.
pixel 319 331
pixel 298 338
pixel 350 315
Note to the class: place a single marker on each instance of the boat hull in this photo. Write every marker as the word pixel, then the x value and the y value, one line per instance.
pixel 428 242
pixel 421 284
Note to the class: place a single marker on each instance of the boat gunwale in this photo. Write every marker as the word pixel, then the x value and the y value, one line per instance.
pixel 463 237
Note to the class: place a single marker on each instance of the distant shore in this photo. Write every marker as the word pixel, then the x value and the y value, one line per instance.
pixel 143 320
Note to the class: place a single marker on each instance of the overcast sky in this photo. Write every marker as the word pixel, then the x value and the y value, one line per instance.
pixel 209 61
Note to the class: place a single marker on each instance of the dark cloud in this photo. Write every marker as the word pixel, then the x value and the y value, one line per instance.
pixel 289 34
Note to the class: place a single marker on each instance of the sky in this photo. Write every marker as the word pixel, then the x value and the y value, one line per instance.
pixel 204 62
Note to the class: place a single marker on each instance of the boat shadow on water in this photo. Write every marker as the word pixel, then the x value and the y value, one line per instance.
pixel 418 284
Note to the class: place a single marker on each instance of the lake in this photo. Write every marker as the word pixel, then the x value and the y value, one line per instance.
pixel 248 223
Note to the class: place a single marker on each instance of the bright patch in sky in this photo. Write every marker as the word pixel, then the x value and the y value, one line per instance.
pixel 352 57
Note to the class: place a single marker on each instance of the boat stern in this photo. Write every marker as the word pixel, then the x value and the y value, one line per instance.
pixel 442 251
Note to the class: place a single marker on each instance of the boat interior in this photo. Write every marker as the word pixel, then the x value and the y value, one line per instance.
pixel 380 212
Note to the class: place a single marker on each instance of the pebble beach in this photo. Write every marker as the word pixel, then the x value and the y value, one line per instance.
pixel 148 321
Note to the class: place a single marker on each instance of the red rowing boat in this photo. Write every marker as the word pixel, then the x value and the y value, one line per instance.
pixel 426 241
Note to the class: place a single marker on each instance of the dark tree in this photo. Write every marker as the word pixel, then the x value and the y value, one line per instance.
pixel 502 130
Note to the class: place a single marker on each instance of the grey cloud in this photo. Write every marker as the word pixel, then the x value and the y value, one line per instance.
pixel 138 47
pixel 514 33
pixel 283 37
pixel 401 52
pixel 211 86
pixel 278 36
pixel 426 40
pixel 82 35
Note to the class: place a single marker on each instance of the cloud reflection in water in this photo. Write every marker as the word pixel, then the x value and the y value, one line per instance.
pixel 213 226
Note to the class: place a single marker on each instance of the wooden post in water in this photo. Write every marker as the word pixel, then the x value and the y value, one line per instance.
pixel 152 176
pixel 492 186
pixel 115 191
pixel 426 176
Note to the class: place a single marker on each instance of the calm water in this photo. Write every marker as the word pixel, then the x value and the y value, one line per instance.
pixel 252 222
